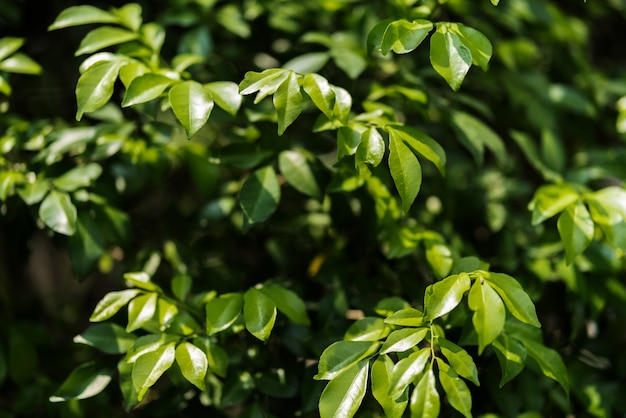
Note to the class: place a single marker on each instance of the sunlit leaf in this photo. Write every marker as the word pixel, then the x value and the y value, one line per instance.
pixel 85 381
pixel 111 303
pixel 403 36
pixel 144 88
pixel 104 37
pixel 341 355
pixel 223 311
pixel 192 105
pixel 444 296
pixel 82 15
pixel 288 102
pixel 381 386
pixel 95 86
pixel 288 303
pixel 449 57
pixel 343 395
pixel 193 363
pixel 489 314
pixel 259 313
pixel 149 367
pixel 514 297
pixel 455 388
pixel 59 213
pixel 405 170
pixel 403 339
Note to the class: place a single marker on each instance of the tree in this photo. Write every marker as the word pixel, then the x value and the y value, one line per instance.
pixel 383 230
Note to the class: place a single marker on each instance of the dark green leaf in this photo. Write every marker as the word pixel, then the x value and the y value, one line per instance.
pixel 456 390
pixel 489 314
pixel 111 303
pixel 259 196
pixel 405 170
pixel 341 355
pixel 459 360
pixel 107 337
pixel 149 367
pixel 223 311
pixel 449 57
pixel 425 401
pixel 288 303
pixel 192 105
pixel 78 177
pixel 259 313
pixel 515 298
pixel 403 340
pixel 403 36
pixel 104 37
pixel 297 168
pixel 348 139
pixel 511 356
pixel 343 395
pixel 59 213
pixel 85 381
pixel 193 363
pixel 444 296
pixel 549 362
pixel 381 386
pixel 125 371
pixel 144 88
pixel 475 135
pixel 608 210
pixel 181 285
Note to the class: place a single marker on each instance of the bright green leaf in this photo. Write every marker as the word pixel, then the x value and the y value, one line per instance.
pixel 478 44
pixel 111 303
pixel 9 45
pixel 403 340
pixel 104 37
pixel 149 367
pixel 107 337
pixel 371 148
pixel 82 15
pixel 193 363
pixel 85 381
pixel 259 313
pixel 405 170
pixel 149 343
pixel 406 370
pixel 95 86
pixel 181 285
pixel 421 144
pixel 142 280
pixel 341 355
pixel 381 385
pixel 226 95
pixel 320 92
pixel 223 311
pixel 259 196
pixel 551 199
pixel 459 360
pixel 514 297
pixel 343 395
pixel 265 83
pixel 129 15
pixel 343 104
pixel 425 402
pixel 489 314
pixel 403 36
pixel 442 297
pixel 192 105
pixel 407 317
pixel 449 57
pixel 288 102
pixel 288 303
pixel 367 329
pixel 217 357
pixel 78 177
pixel 455 388
pixel 141 310
pixel 144 88
pixel 59 213
pixel 20 63
pixel 439 257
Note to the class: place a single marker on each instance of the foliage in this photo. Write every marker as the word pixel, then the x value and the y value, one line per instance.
pixel 325 247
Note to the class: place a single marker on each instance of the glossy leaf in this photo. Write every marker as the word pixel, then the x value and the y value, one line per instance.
pixel 104 37
pixel 549 362
pixel 95 86
pixel 193 363
pixel 381 386
pixel 141 310
pixel 348 139
pixel 297 168
pixel 407 369
pixel 59 213
pixel 144 88
pixel 181 285
pixel 320 92
pixel 129 15
pixel 341 355
pixel 476 135
pixel 142 280
pixel 439 257
pixel 551 199
pixel 20 63
pixel 478 44
pixel 226 95
pixel 511 356
pixel 265 83
pixel 8 46
pixel 149 343
pixel 367 329
pixel 343 395
pixel 421 144
pixel 107 337
pixel 442 297
pixel 78 177
pixel 403 36
pixel 403 340
pixel 288 303
pixel 217 357
pixel 576 230
pixel 223 311
pixel 514 297
pixel 371 147
pixel 608 209
pixel 259 313
pixel 111 303
pixel 82 15
pixel 149 367
pixel 259 196
pixel 405 171
pixel 343 104
pixel 456 390
pixel 425 402
pixel 449 57
pixel 288 102
pixel 407 317
pixel 86 381
pixel 459 360
pixel 489 314
pixel 192 105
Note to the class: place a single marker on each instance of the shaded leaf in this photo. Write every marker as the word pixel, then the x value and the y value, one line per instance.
pixel 107 337
pixel 511 356
pixel 259 196
pixel 421 144
pixel 296 166
pixel 59 213
pixel 475 135
pixel 371 147
pixel 549 362
pixel 288 303
pixel 478 44
pixel 456 390
pixel 405 171
pixel 85 381
pixel 78 177
pixel 259 313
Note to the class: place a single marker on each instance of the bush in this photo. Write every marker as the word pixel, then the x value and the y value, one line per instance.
pixel 421 212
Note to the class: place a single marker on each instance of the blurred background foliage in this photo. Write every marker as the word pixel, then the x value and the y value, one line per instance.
pixel 551 96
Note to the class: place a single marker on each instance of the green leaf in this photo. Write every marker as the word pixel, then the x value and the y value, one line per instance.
pixel 551 199
pixel 367 329
pixel 343 104
pixel 475 135
pixel 223 311
pixel 259 196
pixel 144 88
pixel 259 313
pixel 59 213
pixel 407 369
pixel 489 314
pixel 459 360
pixel 107 337
pixel 226 95
pixel 149 343
pixel 381 386
pixel 142 280
pixel 82 15
pixel 371 148
pixel 193 364
pixel 439 257
pixel 111 303
pixel 341 355
pixel 608 210
pixel 576 230
pixel 104 37
pixel 320 92
pixel 350 60
pixel 9 45
pixel 288 102
pixel 297 168
pixel 20 63
pixel 192 105
pixel 478 44
pixel 549 362
pixel 95 86
pixel 456 390
pixel 141 310
pixel 421 144
pixel 511 356
pixel 287 302
pixel 149 367
pixel 449 57
pixel 307 63
pixel 181 285
pixel 403 340
pixel 514 297
pixel 375 36
pixel 405 171
pixel 442 297
pixel 125 371
pixel 85 381
pixel 425 402
pixel 78 177
pixel 403 36
pixel 217 357
pixel 265 83
pixel 348 139
pixel 343 395
pixel 408 317
pixel 129 15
